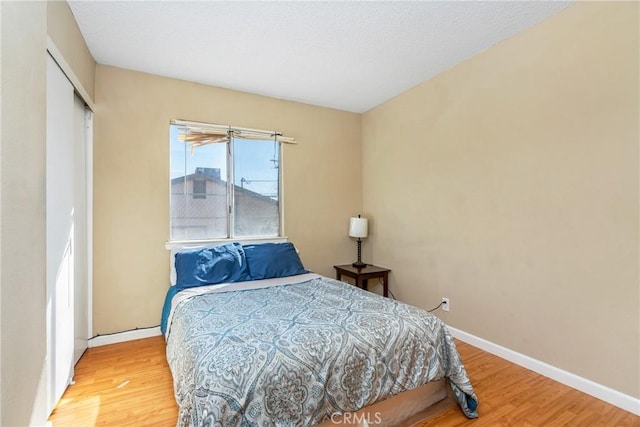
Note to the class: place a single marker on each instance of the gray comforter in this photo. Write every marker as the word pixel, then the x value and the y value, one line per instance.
pixel 292 355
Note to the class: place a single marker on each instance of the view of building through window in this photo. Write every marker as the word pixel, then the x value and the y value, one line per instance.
pixel 210 200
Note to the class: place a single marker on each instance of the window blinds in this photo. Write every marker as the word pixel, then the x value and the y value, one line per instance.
pixel 197 134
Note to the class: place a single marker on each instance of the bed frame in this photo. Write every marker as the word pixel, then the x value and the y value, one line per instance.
pixel 402 410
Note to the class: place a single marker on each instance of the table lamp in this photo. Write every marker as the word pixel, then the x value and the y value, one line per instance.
pixel 359 227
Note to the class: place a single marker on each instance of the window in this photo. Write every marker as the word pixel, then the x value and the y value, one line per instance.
pixel 225 182
pixel 199 189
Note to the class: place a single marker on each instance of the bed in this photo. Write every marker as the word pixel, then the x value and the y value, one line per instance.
pixel 261 348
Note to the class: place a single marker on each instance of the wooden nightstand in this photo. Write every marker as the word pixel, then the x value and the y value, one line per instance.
pixel 362 275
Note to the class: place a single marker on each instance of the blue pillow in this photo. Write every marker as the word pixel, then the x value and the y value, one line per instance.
pixel 269 260
pixel 209 266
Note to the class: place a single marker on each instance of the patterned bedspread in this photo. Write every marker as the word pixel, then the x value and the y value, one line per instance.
pixel 292 355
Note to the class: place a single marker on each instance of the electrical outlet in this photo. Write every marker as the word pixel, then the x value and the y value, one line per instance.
pixel 445 304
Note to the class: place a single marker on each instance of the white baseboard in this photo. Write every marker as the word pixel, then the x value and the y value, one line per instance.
pixel 124 336
pixel 609 395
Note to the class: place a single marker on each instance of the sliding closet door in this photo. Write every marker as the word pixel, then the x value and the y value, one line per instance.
pixel 68 195
pixel 82 132
pixel 60 230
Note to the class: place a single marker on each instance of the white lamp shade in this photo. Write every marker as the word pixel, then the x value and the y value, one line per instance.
pixel 358 227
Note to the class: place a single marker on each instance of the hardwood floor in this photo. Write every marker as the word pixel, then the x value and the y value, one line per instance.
pixel 129 384
pixel 511 395
pixel 125 384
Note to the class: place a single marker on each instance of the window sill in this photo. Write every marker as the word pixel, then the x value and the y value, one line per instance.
pixel 186 244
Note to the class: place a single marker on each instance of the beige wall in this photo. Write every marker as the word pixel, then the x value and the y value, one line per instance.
pixel 64 31
pixel 510 184
pixel 322 182
pixel 22 179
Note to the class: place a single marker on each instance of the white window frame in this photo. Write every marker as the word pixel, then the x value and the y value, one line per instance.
pixel 249 134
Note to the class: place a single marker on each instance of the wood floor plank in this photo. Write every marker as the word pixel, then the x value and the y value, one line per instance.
pixel 129 384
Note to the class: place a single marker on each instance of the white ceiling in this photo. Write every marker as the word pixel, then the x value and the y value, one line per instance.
pixel 349 55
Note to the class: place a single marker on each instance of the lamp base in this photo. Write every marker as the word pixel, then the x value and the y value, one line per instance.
pixel 359 264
